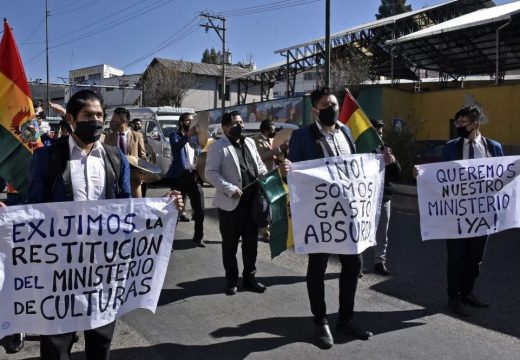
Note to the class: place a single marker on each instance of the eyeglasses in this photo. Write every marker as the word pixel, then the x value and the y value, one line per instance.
pixel 460 123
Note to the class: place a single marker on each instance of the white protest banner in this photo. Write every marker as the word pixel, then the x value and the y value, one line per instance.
pixel 335 203
pixel 468 198
pixel 79 265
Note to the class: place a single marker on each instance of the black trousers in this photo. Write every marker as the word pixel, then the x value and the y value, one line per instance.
pixel 350 267
pixel 97 344
pixel 234 225
pixel 464 259
pixel 188 184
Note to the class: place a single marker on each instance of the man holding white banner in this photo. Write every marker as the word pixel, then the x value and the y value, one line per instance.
pixel 469 199
pixel 341 193
pixel 42 238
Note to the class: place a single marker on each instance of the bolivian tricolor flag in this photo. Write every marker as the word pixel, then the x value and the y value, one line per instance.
pixel 365 136
pixel 276 192
pixel 18 135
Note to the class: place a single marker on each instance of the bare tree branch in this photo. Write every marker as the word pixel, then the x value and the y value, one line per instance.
pixel 168 84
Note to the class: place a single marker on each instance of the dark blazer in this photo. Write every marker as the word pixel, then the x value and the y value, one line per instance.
pixel 453 149
pixel 305 143
pixel 52 162
pixel 180 157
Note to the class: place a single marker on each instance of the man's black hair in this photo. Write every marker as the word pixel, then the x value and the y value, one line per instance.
pixel 121 111
pixel 184 116
pixel 136 120
pixel 471 112
pixel 37 103
pixel 227 119
pixel 317 94
pixel 79 99
pixel 265 125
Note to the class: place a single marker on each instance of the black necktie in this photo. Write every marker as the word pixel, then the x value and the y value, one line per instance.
pixel 471 154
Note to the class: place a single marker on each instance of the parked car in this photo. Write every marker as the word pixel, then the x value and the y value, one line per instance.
pixel 158 124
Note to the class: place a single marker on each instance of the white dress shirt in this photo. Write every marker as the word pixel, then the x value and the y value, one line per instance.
pixel 190 154
pixel 479 146
pixel 336 140
pixel 87 172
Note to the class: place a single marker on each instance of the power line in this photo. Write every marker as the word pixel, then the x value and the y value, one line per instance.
pixel 266 8
pixel 75 9
pixel 68 5
pixel 105 18
pixel 136 14
pixel 180 34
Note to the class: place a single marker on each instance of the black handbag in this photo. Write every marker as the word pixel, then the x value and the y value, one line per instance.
pixel 261 209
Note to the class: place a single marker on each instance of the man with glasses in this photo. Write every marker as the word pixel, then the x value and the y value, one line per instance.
pixel 466 255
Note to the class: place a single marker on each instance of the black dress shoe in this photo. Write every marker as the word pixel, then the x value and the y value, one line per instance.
pixel 380 268
pixel 471 300
pixel 323 337
pixel 183 218
pixel 15 343
pixel 351 328
pixel 199 243
pixel 253 285
pixel 456 307
pixel 360 275
pixel 231 289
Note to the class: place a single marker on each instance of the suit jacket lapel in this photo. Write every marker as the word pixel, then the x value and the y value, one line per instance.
pixel 233 153
pixel 460 147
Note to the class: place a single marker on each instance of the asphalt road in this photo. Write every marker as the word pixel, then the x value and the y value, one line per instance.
pixel 407 311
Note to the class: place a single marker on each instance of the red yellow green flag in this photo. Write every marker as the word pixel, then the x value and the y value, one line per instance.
pixel 365 136
pixel 281 230
pixel 18 129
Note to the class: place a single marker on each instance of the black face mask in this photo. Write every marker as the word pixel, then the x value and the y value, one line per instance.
pixel 89 131
pixel 328 116
pixel 463 131
pixel 137 127
pixel 236 131
pixel 271 134
pixel 185 127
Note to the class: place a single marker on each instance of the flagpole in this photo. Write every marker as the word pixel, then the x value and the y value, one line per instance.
pixel 47 55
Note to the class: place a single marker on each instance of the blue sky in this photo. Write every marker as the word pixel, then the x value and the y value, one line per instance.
pixel 124 33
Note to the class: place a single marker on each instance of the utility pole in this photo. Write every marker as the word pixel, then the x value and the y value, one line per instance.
pixel 221 32
pixel 47 54
pixel 327 43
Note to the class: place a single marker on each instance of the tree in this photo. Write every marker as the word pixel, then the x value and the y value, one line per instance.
pixel 205 57
pixel 349 69
pixel 211 56
pixel 168 83
pixel 392 7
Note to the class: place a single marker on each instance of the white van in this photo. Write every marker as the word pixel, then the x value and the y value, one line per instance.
pixel 158 124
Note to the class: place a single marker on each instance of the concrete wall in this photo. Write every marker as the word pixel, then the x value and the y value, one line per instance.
pixel 429 113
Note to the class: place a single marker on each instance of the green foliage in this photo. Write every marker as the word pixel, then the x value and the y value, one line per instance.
pixel 403 147
pixel 392 7
pixel 211 56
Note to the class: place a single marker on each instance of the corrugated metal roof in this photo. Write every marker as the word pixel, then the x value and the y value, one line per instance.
pixel 205 69
pixel 476 18
pixel 369 25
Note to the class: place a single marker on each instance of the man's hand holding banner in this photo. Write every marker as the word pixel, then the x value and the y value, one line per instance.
pixel 80 265
pixel 468 198
pixel 335 203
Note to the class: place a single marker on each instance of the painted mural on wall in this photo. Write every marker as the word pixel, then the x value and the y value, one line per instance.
pixel 287 110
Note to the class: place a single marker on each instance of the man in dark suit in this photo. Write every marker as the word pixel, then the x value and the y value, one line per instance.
pixel 186 145
pixel 326 137
pixel 232 167
pixel 60 173
pixel 466 255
